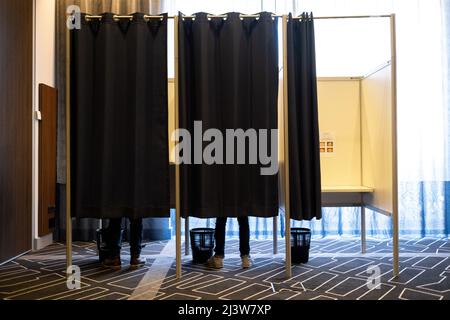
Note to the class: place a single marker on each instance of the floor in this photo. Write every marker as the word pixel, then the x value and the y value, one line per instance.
pixel 336 270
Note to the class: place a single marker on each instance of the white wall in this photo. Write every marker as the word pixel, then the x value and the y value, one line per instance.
pixel 45 41
pixel 343 47
pixel 44 72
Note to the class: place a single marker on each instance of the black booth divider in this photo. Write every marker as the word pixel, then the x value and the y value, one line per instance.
pixel 228 80
pixel 120 157
pixel 304 147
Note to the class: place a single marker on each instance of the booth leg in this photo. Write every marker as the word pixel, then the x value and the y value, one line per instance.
pixel 177 167
pixel 288 248
pixel 395 249
pixel 395 222
pixel 69 260
pixel 178 245
pixel 363 230
pixel 186 237
pixel 275 235
pixel 287 199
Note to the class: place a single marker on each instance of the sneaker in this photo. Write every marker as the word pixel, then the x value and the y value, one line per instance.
pixel 246 262
pixel 112 263
pixel 215 262
pixel 136 263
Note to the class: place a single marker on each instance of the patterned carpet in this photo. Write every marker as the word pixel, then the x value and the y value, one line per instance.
pixel 336 271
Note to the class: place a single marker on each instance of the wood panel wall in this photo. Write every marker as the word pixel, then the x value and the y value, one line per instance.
pixel 48 101
pixel 16 65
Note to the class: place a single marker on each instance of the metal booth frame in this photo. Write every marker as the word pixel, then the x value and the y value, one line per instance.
pixel 284 115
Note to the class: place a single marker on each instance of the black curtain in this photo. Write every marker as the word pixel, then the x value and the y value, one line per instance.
pixel 228 80
pixel 304 151
pixel 120 157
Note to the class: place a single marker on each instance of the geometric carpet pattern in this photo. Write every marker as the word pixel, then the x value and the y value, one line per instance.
pixel 336 270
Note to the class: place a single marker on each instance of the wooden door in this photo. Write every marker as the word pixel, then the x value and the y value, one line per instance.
pixel 16 116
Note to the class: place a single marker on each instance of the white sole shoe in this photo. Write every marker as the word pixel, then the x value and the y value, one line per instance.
pixel 246 262
pixel 215 262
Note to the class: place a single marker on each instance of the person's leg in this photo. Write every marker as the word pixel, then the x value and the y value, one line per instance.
pixel 114 244
pixel 244 236
pixel 136 229
pixel 244 242
pixel 219 235
pixel 115 236
pixel 216 261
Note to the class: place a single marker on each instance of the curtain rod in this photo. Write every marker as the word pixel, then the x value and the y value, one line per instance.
pixel 243 16
pixel 350 17
pixel 186 17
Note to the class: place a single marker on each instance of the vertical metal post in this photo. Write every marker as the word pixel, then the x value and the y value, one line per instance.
pixel 177 166
pixel 363 229
pixel 68 156
pixel 186 237
pixel 395 226
pixel 286 150
pixel 275 235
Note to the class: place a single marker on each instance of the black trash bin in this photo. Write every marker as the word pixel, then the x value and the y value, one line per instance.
pixel 300 244
pixel 202 244
pixel 103 250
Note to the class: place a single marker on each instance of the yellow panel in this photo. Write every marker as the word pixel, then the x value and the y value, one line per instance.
pixel 339 114
pixel 376 108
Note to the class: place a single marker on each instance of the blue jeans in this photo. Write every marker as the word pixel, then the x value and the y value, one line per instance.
pixel 244 236
pixel 115 236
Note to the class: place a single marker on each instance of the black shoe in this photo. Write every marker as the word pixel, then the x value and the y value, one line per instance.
pixel 113 263
pixel 136 263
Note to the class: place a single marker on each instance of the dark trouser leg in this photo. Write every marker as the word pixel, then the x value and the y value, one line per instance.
pixel 115 236
pixel 244 236
pixel 219 235
pixel 136 229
